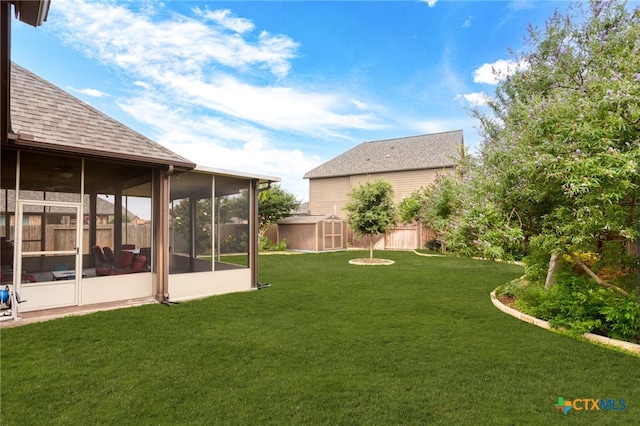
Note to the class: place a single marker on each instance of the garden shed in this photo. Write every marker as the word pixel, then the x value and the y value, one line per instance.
pixel 313 233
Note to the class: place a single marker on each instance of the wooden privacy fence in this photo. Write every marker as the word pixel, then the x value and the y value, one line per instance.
pixel 404 237
pixel 62 237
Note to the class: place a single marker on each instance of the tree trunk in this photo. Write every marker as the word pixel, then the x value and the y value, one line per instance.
pixel 554 262
pixel 370 248
pixel 597 278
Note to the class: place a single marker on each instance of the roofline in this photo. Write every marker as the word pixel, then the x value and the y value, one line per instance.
pixel 29 140
pixel 32 12
pixel 306 175
pixel 443 166
pixel 233 173
pixel 414 136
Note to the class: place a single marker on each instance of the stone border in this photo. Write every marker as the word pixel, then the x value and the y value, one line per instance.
pixel 427 254
pixel 620 344
pixel 510 262
pixel 366 262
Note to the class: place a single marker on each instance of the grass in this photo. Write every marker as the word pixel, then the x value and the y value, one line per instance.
pixel 413 343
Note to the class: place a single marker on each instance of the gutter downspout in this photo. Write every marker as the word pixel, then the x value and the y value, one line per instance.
pixel 5 70
pixel 162 242
pixel 254 226
pixel 253 231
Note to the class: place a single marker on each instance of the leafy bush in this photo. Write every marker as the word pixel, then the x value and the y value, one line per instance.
pixel 433 245
pixel 266 245
pixel 232 244
pixel 581 306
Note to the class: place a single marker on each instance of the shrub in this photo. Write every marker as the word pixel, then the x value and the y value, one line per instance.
pixel 433 245
pixel 266 245
pixel 581 306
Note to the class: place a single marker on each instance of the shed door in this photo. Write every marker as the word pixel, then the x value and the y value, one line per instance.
pixel 48 241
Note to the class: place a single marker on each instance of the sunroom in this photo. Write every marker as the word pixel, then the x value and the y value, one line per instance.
pixel 93 212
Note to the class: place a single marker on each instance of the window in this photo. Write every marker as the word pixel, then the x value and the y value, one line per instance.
pixel 117 217
pixel 191 223
pixel 231 222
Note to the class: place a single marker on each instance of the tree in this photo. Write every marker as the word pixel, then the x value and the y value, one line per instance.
pixel 196 235
pixel 370 209
pixel 233 207
pixel 561 148
pixel 274 205
pixel 434 206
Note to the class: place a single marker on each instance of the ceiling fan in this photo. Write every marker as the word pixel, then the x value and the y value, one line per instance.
pixel 63 170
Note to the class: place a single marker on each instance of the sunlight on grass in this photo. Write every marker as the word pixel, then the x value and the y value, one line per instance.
pixel 416 342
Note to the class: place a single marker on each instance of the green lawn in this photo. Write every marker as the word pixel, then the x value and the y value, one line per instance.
pixel 414 343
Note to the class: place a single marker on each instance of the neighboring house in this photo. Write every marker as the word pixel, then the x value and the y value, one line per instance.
pixel 61 158
pixel 408 163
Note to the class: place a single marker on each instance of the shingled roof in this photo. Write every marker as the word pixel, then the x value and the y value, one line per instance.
pixel 45 116
pixel 392 155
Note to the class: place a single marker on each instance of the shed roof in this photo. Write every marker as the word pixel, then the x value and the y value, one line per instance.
pixel 410 153
pixel 45 116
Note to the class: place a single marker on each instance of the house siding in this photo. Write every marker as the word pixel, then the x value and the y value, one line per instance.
pixel 326 193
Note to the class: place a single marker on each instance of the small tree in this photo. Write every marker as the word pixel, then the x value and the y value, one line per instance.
pixel 274 205
pixel 370 209
pixel 433 206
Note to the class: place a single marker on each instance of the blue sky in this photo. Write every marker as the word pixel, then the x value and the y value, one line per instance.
pixel 277 88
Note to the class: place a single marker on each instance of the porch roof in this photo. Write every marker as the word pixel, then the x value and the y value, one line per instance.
pixel 232 173
pixel 44 116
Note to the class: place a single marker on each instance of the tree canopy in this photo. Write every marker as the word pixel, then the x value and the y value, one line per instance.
pixel 275 204
pixel 433 206
pixel 557 172
pixel 371 210
pixel 562 146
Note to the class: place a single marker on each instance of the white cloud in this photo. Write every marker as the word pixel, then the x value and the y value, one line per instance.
pixel 142 84
pixel 281 108
pixel 467 125
pixel 467 23
pixel 95 93
pixel 217 142
pixel 497 71
pixel 204 65
pixel 476 99
pixel 209 87
pixel 116 35
pixel 431 3
pixel 359 104
pixel 226 20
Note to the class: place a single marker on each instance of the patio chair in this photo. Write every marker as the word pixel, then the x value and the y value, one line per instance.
pixel 7 277
pixel 139 264
pixel 108 253
pixel 146 252
pixel 101 260
pixel 124 262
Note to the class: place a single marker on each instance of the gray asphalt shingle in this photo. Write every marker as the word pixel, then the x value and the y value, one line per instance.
pixel 410 153
pixel 50 116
